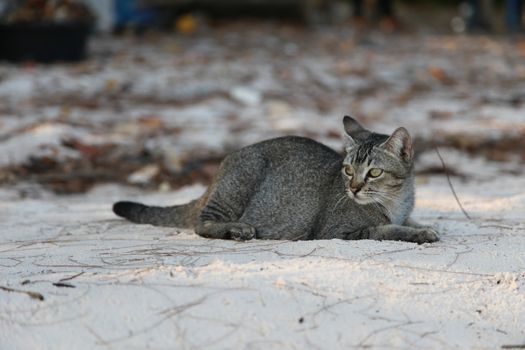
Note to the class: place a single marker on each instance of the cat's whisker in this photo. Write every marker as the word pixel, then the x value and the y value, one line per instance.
pixel 384 207
pixel 385 195
pixel 343 196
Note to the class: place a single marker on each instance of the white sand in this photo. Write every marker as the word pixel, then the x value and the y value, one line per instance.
pixel 148 287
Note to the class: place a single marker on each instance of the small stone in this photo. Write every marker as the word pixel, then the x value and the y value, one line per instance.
pixel 144 175
pixel 246 95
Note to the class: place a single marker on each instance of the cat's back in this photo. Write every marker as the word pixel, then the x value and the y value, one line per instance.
pixel 292 150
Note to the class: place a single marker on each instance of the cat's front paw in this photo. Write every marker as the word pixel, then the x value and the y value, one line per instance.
pixel 242 232
pixel 425 234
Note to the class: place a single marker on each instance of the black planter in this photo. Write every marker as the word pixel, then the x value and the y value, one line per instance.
pixel 43 42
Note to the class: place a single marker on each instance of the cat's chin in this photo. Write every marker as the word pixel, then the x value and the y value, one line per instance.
pixel 362 200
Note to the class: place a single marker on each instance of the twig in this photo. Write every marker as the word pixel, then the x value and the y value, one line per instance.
pixel 33 295
pixel 71 277
pixel 63 285
pixel 512 346
pixel 166 314
pixel 503 227
pixel 450 184
pixel 443 271
pixel 362 343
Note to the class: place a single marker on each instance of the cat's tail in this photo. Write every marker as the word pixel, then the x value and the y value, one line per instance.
pixel 183 216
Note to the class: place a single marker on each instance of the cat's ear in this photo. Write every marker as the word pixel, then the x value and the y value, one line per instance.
pixel 400 144
pixel 348 142
pixel 351 126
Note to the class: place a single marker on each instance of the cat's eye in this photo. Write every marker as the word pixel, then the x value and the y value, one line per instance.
pixel 375 172
pixel 349 171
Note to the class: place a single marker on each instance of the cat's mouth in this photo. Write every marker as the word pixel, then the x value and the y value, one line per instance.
pixel 359 197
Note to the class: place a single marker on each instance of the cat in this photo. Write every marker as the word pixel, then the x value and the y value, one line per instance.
pixel 294 188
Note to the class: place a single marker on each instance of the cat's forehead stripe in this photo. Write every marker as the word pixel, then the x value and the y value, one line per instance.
pixel 363 153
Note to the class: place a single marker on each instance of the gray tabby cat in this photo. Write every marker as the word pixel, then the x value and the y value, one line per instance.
pixel 294 188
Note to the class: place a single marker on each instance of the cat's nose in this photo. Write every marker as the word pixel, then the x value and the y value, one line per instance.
pixel 355 187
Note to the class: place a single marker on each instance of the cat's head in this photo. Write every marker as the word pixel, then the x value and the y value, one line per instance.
pixel 377 168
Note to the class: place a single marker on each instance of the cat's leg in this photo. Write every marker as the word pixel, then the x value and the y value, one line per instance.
pixel 412 223
pixel 400 233
pixel 226 200
pixel 226 230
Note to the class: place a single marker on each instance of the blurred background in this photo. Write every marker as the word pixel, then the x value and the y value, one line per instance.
pixel 153 93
